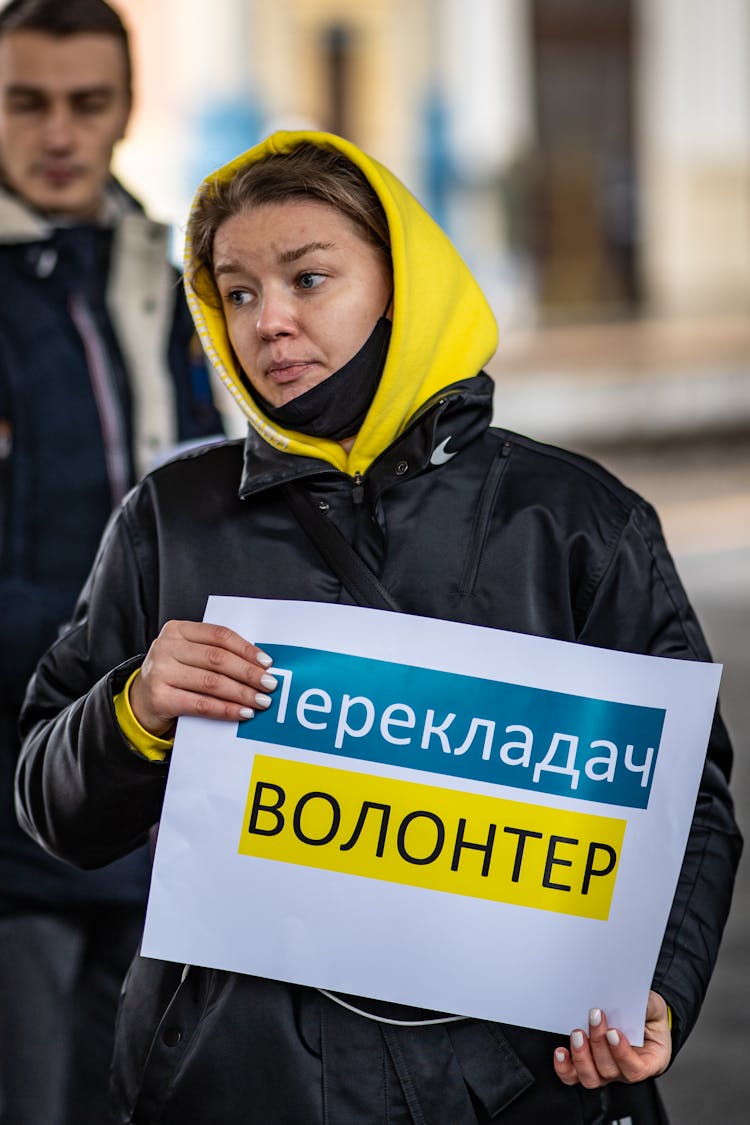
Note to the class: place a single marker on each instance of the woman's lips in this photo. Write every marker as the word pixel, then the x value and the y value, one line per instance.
pixel 289 372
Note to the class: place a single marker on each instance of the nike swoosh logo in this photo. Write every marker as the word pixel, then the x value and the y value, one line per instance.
pixel 440 454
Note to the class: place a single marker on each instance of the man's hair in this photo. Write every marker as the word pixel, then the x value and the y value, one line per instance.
pixel 62 18
pixel 307 172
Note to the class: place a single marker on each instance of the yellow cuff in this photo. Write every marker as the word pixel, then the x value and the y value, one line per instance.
pixel 142 741
pixel 669 1017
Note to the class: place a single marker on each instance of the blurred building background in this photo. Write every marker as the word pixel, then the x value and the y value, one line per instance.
pixel 591 159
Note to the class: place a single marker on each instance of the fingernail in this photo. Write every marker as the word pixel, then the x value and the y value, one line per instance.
pixel 246 712
pixel 577 1039
pixel 263 700
pixel 560 1056
pixel 269 682
pixel 595 1017
pixel 264 659
pixel 613 1038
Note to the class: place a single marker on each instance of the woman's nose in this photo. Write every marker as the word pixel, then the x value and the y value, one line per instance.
pixel 275 316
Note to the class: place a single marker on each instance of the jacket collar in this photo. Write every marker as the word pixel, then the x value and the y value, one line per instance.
pixel 20 223
pixel 140 295
pixel 442 428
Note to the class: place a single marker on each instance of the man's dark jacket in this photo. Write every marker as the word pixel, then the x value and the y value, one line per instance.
pixel 55 491
pixel 507 533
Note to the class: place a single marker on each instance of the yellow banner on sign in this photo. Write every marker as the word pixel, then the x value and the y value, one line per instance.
pixel 425 836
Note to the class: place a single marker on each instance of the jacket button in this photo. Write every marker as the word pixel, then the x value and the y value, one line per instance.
pixel 401 468
pixel 172 1036
pixel 323 505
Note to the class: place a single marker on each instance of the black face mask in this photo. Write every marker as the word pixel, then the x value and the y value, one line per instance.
pixel 336 408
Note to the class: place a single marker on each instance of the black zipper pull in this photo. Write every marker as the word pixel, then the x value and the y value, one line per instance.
pixel 358 489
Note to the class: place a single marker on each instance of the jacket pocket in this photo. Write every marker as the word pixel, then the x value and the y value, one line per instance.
pixel 152 994
pixel 492 1069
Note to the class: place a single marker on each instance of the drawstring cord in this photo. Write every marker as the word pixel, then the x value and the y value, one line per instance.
pixel 367 1015
pixel 385 1019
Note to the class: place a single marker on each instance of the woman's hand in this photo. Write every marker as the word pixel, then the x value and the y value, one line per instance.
pixel 606 1056
pixel 193 668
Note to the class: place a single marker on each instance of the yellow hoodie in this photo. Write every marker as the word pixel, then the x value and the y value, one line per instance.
pixel 443 328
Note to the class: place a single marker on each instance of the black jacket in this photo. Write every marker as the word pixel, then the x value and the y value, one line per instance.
pixel 55 490
pixel 508 533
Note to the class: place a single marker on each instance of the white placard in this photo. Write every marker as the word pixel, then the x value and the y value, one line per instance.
pixel 442 815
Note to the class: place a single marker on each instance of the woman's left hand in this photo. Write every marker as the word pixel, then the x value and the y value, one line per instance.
pixel 605 1055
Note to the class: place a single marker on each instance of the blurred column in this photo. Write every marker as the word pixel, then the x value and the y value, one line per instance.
pixel 488 81
pixel 195 97
pixel 483 50
pixel 149 159
pixel 694 126
pixel 216 48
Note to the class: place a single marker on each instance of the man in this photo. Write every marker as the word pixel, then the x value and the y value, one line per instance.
pixel 99 377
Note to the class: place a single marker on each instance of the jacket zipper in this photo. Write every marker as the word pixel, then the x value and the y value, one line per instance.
pixel 6 449
pixel 482 519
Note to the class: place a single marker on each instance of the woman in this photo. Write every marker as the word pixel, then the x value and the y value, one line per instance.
pixel 351 334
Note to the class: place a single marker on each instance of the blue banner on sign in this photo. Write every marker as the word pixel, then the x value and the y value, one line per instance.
pixel 462 726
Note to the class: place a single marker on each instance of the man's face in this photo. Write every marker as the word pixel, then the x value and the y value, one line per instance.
pixel 64 103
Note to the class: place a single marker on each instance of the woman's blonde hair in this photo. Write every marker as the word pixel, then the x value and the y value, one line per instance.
pixel 307 172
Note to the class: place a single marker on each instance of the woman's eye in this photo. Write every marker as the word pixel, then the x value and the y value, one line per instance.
pixel 237 297
pixel 309 280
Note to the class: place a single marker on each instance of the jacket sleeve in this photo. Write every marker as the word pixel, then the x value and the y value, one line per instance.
pixel 30 616
pixel 640 606
pixel 81 791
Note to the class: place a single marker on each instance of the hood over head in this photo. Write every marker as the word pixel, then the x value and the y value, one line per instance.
pixel 443 327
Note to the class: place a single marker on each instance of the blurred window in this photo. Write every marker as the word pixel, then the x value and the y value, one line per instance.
pixel 583 209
